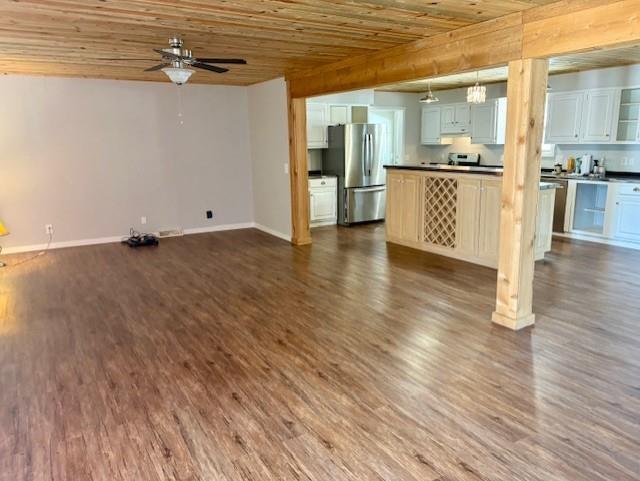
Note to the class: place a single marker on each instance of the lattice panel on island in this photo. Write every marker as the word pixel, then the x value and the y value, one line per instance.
pixel 440 205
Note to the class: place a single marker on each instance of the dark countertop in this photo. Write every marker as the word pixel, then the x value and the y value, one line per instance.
pixel 627 177
pixel 458 169
pixel 631 177
pixel 321 176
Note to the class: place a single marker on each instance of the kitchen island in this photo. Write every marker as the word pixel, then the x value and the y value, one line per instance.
pixel 455 212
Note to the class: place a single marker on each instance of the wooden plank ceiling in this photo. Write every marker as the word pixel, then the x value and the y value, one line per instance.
pixel 75 37
pixel 557 65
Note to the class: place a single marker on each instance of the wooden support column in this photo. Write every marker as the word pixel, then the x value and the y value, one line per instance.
pixel 298 170
pixel 526 93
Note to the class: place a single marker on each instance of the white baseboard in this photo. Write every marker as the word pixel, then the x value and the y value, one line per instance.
pixel 61 245
pixel 216 228
pixel 108 240
pixel 274 233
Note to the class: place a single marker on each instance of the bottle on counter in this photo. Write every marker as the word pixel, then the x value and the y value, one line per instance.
pixel 571 165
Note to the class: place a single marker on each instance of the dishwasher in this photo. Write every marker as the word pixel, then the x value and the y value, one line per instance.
pixel 559 210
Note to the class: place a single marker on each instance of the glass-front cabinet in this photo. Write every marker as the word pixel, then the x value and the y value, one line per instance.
pixel 591 207
pixel 629 116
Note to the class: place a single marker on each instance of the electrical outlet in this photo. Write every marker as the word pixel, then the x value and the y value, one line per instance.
pixel 48 229
pixel 286 168
pixel 209 214
pixel 143 220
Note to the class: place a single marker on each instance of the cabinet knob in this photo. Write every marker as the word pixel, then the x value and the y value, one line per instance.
pixel 636 189
pixel 576 136
pixel 322 183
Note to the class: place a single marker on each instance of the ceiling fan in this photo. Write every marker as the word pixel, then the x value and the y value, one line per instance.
pixel 176 61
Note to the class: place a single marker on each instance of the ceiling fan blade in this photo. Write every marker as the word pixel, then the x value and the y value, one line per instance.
pixel 239 61
pixel 156 67
pixel 167 54
pixel 211 68
pixel 121 58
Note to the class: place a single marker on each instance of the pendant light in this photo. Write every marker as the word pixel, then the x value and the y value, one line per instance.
pixel 478 93
pixel 429 98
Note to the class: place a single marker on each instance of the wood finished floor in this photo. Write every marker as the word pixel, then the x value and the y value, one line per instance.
pixel 234 356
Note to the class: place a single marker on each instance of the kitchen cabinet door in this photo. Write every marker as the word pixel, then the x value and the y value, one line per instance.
pixel 456 119
pixel 394 214
pixel 463 117
pixel 628 218
pixel 448 121
pixel 598 115
pixel 544 222
pixel 323 204
pixel 403 213
pixel 430 125
pixel 483 123
pixel 489 231
pixel 564 118
pixel 411 212
pixel 316 126
pixel 468 212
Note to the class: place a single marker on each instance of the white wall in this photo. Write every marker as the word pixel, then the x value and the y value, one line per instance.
pixel 269 155
pixel 93 156
pixel 412 108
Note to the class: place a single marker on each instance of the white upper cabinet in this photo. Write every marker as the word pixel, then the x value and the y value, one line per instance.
pixel 628 120
pixel 317 121
pixel 564 114
pixel 456 118
pixel 430 126
pixel 597 118
pixel 489 122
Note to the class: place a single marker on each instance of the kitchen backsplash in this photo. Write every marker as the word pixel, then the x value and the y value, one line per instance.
pixel 619 158
pixel 489 154
pixel 315 159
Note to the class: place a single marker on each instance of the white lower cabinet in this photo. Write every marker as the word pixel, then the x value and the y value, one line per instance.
pixel 604 211
pixel 323 199
pixel 627 217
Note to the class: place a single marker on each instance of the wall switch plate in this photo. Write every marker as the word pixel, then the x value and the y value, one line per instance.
pixel 209 214
pixel 48 229
pixel 286 168
pixel 143 220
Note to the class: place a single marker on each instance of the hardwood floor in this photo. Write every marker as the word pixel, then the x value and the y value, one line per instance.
pixel 234 356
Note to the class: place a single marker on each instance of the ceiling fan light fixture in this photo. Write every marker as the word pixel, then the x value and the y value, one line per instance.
pixel 178 76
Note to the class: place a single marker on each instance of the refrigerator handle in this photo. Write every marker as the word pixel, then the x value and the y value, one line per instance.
pixel 369 153
pixel 365 154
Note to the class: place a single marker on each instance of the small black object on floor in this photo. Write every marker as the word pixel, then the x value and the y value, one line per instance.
pixel 137 239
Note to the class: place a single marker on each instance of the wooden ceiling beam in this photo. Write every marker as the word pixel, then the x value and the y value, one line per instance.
pixel 614 24
pixel 572 26
pixel 487 44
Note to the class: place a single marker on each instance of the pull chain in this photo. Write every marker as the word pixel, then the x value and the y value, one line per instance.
pixel 180 116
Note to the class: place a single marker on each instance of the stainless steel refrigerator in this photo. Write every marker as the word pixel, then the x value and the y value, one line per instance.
pixel 355 157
